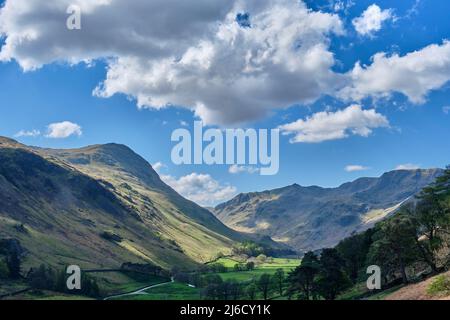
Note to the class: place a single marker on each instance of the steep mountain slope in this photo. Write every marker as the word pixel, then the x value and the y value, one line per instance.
pixel 100 206
pixel 310 218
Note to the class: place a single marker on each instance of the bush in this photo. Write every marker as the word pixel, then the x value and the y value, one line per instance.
pixel 4 271
pixel 439 286
pixel 239 267
pixel 46 278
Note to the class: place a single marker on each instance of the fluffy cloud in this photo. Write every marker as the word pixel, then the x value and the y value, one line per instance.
pixel 63 129
pixel 407 166
pixel 26 133
pixel 235 169
pixel 158 166
pixel 325 126
pixel 201 188
pixel 342 5
pixel 197 54
pixel 355 168
pixel 446 109
pixel 371 20
pixel 190 53
pixel 414 74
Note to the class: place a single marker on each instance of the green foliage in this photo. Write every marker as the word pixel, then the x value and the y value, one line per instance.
pixel 249 266
pixel 439 286
pixel 279 278
pixel 46 278
pixel 248 248
pixel 239 267
pixel 302 278
pixel 4 272
pixel 265 285
pixel 395 246
pixel 353 251
pixel 222 290
pixel 331 279
pixel 251 290
pixel 432 219
pixel 14 265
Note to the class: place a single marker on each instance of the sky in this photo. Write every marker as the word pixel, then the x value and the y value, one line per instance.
pixel 357 88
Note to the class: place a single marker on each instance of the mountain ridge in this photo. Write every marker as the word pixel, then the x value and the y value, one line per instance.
pixel 310 218
pixel 100 206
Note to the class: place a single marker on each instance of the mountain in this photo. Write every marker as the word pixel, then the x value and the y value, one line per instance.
pixel 311 218
pixel 100 206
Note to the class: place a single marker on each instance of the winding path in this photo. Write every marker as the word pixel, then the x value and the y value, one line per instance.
pixel 140 291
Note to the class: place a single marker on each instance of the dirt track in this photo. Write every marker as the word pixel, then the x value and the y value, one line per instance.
pixel 416 291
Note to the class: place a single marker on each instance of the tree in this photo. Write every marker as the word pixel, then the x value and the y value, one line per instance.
pixel 250 291
pixel 213 289
pixel 353 251
pixel 235 289
pixel 395 246
pixel 42 278
pixel 250 266
pixel 14 264
pixel 302 278
pixel 226 290
pixel 4 272
pixel 279 280
pixel 432 219
pixel 264 285
pixel 239 267
pixel 331 279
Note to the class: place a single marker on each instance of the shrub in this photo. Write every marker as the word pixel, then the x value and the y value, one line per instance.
pixel 4 272
pixel 439 286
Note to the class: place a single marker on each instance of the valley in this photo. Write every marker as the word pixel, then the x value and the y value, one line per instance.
pixel 104 208
pixel 312 218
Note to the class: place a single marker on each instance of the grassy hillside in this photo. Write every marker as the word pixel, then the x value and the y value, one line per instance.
pixel 99 207
pixel 196 232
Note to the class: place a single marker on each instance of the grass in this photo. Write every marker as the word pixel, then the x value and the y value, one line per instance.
pixel 383 294
pixel 112 283
pixel 439 286
pixel 171 291
pixel 270 267
pixel 180 291
pixel 359 291
pixel 285 264
pixel 47 295
pixel 271 263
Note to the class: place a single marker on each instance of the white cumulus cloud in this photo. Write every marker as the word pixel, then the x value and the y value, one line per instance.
pixel 158 166
pixel 325 126
pixel 355 168
pixel 190 53
pixel 196 54
pixel 63 129
pixel 446 109
pixel 407 166
pixel 236 169
pixel 27 133
pixel 414 74
pixel 371 20
pixel 201 188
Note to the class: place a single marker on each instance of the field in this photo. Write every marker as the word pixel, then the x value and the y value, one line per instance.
pixel 112 283
pixel 269 267
pixel 116 283
pixel 170 291
pixel 181 291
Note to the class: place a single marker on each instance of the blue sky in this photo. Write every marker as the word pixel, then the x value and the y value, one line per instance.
pixel 53 88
